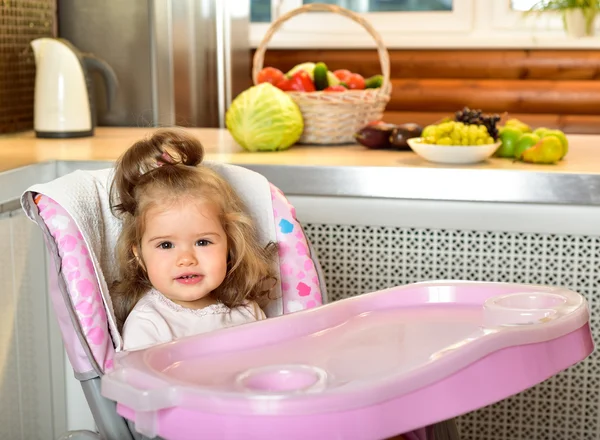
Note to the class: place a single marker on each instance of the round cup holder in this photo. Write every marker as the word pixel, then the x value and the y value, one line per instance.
pixel 283 379
pixel 522 308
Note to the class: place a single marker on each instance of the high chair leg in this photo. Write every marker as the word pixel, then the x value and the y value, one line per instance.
pixel 110 424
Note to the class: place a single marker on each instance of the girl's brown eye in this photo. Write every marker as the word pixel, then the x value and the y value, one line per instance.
pixel 165 245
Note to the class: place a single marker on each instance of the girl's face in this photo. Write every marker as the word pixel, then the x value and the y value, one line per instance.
pixel 184 251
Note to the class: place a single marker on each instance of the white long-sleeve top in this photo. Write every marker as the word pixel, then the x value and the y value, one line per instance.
pixel 156 319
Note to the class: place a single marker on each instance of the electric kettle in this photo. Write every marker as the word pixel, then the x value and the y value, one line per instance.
pixel 64 98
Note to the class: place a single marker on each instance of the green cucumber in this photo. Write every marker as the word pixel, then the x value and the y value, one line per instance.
pixel 374 82
pixel 320 76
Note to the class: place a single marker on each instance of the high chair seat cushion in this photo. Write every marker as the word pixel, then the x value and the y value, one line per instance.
pixel 84 197
pixel 300 284
pixel 83 323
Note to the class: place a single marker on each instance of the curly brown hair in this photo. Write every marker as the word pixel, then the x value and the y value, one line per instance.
pixel 166 167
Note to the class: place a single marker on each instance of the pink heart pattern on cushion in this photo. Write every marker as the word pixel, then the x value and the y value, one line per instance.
pixel 303 289
pixel 297 267
pixel 78 270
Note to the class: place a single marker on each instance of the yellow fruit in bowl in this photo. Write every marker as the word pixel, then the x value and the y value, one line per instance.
pixel 452 133
pixel 429 131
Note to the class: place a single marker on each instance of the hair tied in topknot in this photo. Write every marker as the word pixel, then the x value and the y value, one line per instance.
pixel 135 168
pixel 165 159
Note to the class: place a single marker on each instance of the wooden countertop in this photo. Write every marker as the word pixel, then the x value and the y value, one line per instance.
pixel 20 149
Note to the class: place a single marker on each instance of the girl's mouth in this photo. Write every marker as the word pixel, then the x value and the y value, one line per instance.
pixel 189 279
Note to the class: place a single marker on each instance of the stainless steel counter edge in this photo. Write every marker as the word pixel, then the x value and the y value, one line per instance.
pixel 377 182
pixel 436 184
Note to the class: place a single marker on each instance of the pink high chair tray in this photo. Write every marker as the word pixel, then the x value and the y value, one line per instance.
pixel 368 367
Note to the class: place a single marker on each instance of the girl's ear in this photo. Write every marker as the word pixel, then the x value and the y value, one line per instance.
pixel 138 257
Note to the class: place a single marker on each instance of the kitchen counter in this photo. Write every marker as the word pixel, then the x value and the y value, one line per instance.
pixel 350 170
pixel 376 219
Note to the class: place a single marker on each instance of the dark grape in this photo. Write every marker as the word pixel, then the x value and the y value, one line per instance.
pixel 477 117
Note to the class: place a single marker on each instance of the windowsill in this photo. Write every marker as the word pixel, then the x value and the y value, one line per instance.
pixel 550 40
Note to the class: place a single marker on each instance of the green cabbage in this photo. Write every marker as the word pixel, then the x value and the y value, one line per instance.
pixel 264 118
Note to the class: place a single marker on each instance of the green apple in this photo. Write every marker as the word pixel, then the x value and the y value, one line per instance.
pixel 540 131
pixel 509 136
pixel 561 136
pixel 526 141
pixel 518 124
pixel 548 151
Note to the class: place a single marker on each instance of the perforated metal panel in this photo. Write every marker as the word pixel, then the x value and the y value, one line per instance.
pixel 20 22
pixel 359 259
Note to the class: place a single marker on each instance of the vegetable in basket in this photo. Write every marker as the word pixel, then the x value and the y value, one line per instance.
pixel 311 77
pixel 320 76
pixel 264 118
pixel 353 81
pixel 299 82
pixel 271 75
pixel 374 82
pixel 309 68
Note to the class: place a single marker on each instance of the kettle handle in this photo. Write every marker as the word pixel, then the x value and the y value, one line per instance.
pixel 110 78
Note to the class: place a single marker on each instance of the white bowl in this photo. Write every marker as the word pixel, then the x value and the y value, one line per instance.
pixel 452 154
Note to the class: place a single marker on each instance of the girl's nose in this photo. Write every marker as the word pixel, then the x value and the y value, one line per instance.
pixel 187 258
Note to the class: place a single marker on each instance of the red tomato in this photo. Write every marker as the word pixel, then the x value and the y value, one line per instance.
pixel 376 123
pixel 337 88
pixel 270 75
pixel 342 74
pixel 355 81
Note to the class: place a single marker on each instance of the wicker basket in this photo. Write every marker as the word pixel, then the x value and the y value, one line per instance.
pixel 334 117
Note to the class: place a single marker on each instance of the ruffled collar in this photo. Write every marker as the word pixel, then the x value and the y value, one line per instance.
pixel 213 309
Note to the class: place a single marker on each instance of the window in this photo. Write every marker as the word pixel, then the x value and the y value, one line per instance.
pixel 389 5
pixel 412 24
pixel 260 11
pixel 387 16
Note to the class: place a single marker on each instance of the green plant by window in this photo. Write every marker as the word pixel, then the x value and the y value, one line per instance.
pixel 589 8
pixel 562 5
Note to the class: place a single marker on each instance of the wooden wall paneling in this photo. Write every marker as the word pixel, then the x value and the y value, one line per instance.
pixel 492 95
pixel 496 64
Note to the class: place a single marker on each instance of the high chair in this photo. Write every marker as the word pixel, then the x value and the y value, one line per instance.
pixel 402 360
